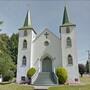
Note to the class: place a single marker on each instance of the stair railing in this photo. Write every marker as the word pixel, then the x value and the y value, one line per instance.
pixel 34 77
pixel 56 76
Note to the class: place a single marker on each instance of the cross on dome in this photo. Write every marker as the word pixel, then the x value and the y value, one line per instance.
pixel 46 34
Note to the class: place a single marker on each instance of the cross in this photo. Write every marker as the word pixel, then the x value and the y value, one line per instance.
pixel 46 34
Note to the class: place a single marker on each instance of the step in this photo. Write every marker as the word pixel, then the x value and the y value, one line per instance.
pixel 45 78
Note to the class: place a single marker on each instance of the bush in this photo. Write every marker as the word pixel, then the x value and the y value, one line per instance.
pixel 8 76
pixel 61 74
pixel 31 72
pixel 82 69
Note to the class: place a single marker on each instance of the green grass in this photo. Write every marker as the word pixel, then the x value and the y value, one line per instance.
pixel 85 81
pixel 15 87
pixel 85 85
pixel 82 87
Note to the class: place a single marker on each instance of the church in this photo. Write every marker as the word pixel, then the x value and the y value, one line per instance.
pixel 46 51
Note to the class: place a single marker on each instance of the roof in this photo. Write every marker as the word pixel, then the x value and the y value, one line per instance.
pixel 65 16
pixel 66 21
pixel 46 30
pixel 27 22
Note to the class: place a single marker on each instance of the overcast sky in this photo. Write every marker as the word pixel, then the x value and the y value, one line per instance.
pixel 49 13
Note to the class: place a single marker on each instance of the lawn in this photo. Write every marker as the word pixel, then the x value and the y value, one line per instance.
pixel 15 87
pixel 85 79
pixel 85 85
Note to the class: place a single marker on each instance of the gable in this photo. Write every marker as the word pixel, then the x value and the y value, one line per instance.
pixel 46 33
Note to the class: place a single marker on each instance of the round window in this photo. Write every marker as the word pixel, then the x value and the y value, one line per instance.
pixel 46 43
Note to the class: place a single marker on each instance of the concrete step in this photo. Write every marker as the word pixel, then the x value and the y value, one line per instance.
pixel 45 78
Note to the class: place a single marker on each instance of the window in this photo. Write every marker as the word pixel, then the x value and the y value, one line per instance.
pixel 69 43
pixel 46 43
pixel 67 30
pixel 25 33
pixel 24 44
pixel 24 61
pixel 76 79
pixel 70 60
pixel 23 78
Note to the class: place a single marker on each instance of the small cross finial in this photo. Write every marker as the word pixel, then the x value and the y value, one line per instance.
pixel 46 34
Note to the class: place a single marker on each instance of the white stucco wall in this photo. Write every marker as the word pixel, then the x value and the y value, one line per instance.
pixel 72 69
pixel 52 50
pixel 22 70
pixel 56 50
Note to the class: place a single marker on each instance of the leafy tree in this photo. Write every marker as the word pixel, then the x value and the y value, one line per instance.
pixel 81 69
pixel 4 43
pixel 8 75
pixel 6 63
pixel 61 74
pixel 13 47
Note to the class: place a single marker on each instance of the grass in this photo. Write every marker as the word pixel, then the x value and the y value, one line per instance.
pixel 15 87
pixel 85 79
pixel 85 85
pixel 82 87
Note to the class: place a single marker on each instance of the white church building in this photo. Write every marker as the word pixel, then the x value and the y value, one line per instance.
pixel 46 51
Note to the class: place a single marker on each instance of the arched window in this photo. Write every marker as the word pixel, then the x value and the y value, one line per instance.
pixel 70 60
pixel 69 42
pixel 24 44
pixel 67 30
pixel 25 33
pixel 24 61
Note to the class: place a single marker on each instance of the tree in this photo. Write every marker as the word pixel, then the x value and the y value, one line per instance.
pixel 8 75
pixel 81 69
pixel 30 73
pixel 61 74
pixel 6 63
pixel 13 47
pixel 87 67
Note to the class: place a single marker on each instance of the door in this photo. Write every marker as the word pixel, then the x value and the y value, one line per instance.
pixel 47 65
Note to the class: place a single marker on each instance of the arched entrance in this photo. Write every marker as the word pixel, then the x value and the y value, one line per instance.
pixel 47 65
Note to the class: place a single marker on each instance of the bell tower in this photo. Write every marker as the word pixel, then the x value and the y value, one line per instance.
pixel 68 48
pixel 25 47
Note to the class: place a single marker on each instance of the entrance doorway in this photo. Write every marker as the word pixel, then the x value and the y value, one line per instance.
pixel 47 65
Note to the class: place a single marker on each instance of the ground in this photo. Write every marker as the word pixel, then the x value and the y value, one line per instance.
pixel 15 87
pixel 85 85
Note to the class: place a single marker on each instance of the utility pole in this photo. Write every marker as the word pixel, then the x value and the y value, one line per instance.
pixel 88 55
pixel 88 59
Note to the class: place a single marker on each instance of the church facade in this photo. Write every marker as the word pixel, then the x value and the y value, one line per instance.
pixel 46 52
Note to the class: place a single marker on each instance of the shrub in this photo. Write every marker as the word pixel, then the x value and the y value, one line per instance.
pixel 31 72
pixel 8 76
pixel 82 69
pixel 61 74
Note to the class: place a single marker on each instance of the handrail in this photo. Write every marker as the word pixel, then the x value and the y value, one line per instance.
pixel 56 76
pixel 34 77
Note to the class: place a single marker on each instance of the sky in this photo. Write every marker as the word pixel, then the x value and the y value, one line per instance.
pixel 49 13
